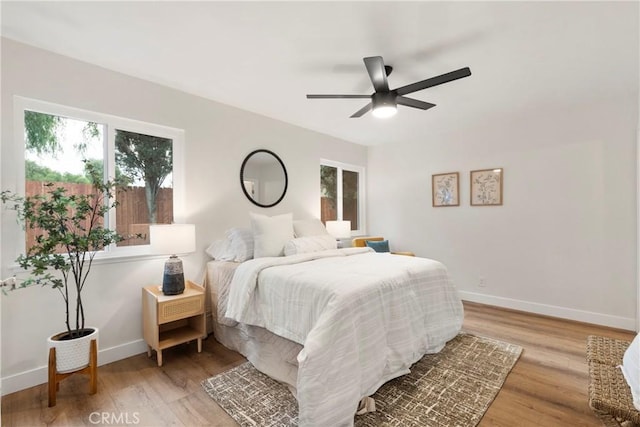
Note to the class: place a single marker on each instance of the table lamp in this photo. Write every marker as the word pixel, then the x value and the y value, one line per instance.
pixel 339 230
pixel 173 239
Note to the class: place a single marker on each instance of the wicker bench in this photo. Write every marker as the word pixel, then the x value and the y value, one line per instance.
pixel 609 394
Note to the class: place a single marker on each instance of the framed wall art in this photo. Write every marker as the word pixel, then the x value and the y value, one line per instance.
pixel 445 189
pixel 486 187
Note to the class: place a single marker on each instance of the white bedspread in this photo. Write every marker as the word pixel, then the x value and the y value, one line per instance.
pixel 362 317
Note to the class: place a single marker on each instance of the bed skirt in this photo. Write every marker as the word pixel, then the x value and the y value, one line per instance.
pixel 271 354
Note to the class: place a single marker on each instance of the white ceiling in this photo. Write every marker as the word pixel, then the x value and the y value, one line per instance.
pixel 265 56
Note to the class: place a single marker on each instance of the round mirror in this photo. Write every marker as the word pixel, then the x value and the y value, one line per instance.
pixel 263 178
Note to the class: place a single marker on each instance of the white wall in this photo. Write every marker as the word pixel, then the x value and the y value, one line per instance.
pixel 563 243
pixel 218 137
pixel 638 206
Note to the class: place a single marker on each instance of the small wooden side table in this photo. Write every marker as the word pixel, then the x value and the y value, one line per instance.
pixel 169 320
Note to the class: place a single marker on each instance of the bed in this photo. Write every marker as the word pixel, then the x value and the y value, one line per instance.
pixel 334 325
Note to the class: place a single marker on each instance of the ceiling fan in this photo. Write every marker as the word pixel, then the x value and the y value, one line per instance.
pixel 384 101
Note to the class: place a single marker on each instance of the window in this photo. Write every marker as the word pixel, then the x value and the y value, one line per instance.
pixel 342 194
pixel 58 141
pixel 147 162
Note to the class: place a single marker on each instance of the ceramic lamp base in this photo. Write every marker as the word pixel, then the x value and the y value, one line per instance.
pixel 173 279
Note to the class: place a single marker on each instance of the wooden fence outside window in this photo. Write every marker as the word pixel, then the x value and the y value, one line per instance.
pixel 132 214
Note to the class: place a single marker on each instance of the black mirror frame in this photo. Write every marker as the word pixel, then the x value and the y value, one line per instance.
pixel 284 169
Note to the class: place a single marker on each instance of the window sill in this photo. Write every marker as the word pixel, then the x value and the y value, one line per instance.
pixel 104 259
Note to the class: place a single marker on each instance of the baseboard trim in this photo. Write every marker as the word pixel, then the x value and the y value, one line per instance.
pixel 552 310
pixel 37 376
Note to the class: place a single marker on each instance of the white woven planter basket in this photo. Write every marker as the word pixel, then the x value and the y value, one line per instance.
pixel 72 355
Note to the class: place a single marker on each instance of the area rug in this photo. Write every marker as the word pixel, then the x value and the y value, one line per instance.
pixel 451 388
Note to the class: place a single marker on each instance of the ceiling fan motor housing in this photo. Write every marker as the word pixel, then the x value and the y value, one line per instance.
pixel 383 99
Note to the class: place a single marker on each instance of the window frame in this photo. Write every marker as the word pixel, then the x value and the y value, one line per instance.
pixel 111 123
pixel 360 170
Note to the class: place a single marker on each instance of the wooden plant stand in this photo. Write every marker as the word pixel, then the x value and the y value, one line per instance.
pixel 55 377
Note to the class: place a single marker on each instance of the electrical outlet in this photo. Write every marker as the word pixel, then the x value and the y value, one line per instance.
pixel 482 283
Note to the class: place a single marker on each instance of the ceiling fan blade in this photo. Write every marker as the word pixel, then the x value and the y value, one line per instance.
pixel 337 96
pixel 362 111
pixel 434 81
pixel 377 73
pixel 410 102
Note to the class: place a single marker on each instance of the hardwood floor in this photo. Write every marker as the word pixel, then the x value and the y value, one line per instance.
pixel 547 387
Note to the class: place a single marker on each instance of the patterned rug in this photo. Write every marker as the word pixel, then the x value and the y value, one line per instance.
pixel 452 388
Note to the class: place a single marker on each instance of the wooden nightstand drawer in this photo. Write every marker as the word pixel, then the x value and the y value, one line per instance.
pixel 169 311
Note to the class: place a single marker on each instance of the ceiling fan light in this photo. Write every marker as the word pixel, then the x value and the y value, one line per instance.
pixel 384 104
pixel 384 111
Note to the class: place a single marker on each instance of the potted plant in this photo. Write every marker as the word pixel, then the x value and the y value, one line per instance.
pixel 69 232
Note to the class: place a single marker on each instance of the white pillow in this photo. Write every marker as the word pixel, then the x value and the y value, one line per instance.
pixel 631 369
pixel 236 246
pixel 220 250
pixel 301 245
pixel 270 234
pixel 309 227
pixel 240 243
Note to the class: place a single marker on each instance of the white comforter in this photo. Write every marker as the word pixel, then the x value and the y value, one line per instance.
pixel 362 317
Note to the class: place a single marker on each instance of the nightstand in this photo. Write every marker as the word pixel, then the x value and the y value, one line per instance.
pixel 170 320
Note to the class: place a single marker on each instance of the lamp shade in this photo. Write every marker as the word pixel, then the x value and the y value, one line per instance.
pixel 171 239
pixel 339 229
